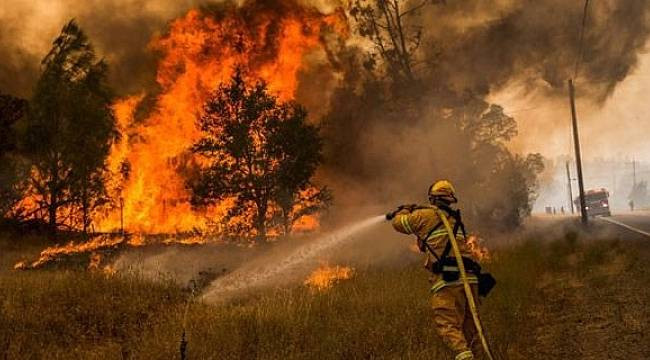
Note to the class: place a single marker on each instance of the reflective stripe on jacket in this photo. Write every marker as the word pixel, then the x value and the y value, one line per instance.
pixel 419 223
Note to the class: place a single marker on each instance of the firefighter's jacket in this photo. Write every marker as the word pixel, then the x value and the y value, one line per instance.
pixel 420 222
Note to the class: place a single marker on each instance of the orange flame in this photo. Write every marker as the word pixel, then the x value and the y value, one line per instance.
pixel 52 253
pixel 198 53
pixel 95 260
pixel 109 270
pixel 477 250
pixel 326 276
pixel 101 243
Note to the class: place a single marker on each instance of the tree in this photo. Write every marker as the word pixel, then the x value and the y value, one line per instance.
pixel 69 130
pixel 386 24
pixel 12 170
pixel 259 152
pixel 502 186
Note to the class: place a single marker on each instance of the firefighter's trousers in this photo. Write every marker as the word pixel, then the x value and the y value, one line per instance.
pixel 453 320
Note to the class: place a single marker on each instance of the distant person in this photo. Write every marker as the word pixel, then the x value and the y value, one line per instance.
pixel 452 316
pixel 562 210
pixel 631 203
pixel 554 212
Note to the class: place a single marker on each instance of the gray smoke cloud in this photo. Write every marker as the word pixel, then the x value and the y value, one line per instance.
pixel 537 42
pixel 120 30
pixel 478 45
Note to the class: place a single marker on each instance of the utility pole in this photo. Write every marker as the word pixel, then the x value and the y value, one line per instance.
pixel 634 173
pixel 568 178
pixel 576 143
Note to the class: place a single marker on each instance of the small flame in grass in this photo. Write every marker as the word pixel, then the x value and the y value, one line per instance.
pixel 477 250
pixel 54 252
pixel 95 246
pixel 109 270
pixel 326 276
pixel 95 260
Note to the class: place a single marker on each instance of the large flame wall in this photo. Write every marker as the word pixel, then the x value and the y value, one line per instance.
pixel 200 51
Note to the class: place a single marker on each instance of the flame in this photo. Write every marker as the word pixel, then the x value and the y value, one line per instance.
pixel 95 260
pixel 473 245
pixel 100 243
pixel 54 252
pixel 198 53
pixel 109 270
pixel 94 264
pixel 326 276
pixel 477 250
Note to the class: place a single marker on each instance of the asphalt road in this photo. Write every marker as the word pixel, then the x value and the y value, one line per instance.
pixel 639 220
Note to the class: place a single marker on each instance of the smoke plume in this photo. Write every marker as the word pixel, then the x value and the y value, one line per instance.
pixel 470 50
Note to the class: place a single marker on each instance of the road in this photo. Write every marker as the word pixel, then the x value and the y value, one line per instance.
pixel 637 219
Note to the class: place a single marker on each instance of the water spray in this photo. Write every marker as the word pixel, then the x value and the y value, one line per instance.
pixel 247 277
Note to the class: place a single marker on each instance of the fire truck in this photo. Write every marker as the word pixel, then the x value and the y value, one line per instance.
pixel 596 202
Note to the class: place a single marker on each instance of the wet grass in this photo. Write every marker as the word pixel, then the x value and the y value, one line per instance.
pixel 380 313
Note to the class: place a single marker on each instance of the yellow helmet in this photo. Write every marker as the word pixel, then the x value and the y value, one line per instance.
pixel 442 188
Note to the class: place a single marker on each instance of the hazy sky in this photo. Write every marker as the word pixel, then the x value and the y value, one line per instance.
pixel 618 128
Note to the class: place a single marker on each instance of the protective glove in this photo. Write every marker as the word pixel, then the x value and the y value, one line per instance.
pixel 408 207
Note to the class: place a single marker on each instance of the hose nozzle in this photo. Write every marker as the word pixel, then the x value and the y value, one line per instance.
pixel 392 214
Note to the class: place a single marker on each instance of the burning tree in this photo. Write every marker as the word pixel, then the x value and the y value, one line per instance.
pixel 68 131
pixel 260 152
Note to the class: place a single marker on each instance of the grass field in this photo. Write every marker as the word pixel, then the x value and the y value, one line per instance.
pixel 379 313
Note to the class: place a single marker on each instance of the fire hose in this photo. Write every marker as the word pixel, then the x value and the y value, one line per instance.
pixel 466 286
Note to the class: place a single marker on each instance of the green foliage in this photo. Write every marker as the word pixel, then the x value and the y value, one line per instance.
pixel 502 187
pixel 260 152
pixel 68 131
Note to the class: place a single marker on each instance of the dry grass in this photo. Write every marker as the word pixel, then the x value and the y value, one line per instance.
pixel 380 313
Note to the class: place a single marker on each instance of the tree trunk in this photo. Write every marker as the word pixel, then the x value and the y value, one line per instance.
pixel 260 223
pixel 84 209
pixel 286 218
pixel 52 208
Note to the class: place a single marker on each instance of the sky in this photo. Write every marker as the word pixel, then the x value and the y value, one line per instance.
pixel 618 128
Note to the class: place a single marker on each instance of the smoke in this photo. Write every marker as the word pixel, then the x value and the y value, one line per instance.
pixel 277 267
pixel 478 46
pixel 537 43
pixel 221 271
pixel 120 30
pixel 474 50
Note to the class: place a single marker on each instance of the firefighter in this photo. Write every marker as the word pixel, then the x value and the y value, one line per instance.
pixel 452 316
